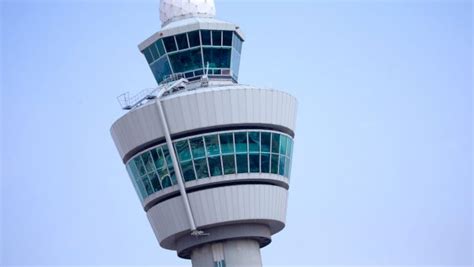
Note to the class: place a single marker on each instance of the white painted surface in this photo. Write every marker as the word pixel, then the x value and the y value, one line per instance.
pixel 218 206
pixel 202 109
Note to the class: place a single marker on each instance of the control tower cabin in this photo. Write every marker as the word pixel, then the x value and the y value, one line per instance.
pixel 209 158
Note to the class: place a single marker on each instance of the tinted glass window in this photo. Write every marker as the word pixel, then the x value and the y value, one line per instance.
pixel 148 56
pixel 159 46
pixel 265 163
pixel 217 57
pixel 154 182
pixel 216 38
pixel 254 162
pixel 170 44
pixel 275 143
pixel 161 69
pixel 182 41
pixel 197 148
pixel 206 37
pixel 212 145
pixel 154 52
pixel 182 148
pixel 227 38
pixel 140 166
pixel 187 60
pixel 242 163
pixel 237 43
pixel 241 142
pixel 194 39
pixel 215 166
pixel 254 142
pixel 229 164
pixel 158 158
pixel 274 164
pixel 201 168
pixel 227 143
pixel 266 142
pixel 188 171
pixel 147 185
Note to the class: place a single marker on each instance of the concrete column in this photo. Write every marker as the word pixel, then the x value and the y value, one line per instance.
pixel 234 253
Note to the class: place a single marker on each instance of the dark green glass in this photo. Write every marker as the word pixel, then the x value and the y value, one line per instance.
pixel 229 164
pixel 139 163
pixel 148 187
pixel 212 145
pixel 141 189
pixel 166 182
pixel 159 46
pixel 158 158
pixel 194 39
pixel 134 170
pixel 182 41
pixel 266 137
pixel 287 167
pixel 206 37
pixel 167 155
pixel 215 166
pixel 227 143
pixel 283 145
pixel 170 44
pixel 227 38
pixel 201 168
pixel 281 168
pixel 242 163
pixel 148 56
pixel 148 161
pixel 241 143
pixel 274 164
pixel 182 147
pixel 154 52
pixel 197 148
pixel 155 182
pixel 216 38
pixel 254 160
pixel 186 60
pixel 188 171
pixel 217 57
pixel 254 142
pixel 275 143
pixel 265 163
pixel 163 172
pixel 161 69
pixel 173 176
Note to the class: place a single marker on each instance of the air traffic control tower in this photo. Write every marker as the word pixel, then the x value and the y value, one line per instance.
pixel 209 158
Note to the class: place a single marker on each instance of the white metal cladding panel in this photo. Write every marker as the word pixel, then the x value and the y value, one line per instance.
pixel 204 109
pixel 220 205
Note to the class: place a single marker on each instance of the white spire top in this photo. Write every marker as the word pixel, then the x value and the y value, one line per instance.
pixel 171 10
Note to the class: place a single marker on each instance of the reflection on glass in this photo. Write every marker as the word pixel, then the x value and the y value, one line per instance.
pixel 229 164
pixel 194 39
pixel 201 168
pixel 215 166
pixel 212 145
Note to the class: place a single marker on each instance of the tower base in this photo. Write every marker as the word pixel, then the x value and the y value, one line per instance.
pixel 228 253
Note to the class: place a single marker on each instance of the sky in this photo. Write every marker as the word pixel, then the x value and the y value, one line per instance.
pixel 382 171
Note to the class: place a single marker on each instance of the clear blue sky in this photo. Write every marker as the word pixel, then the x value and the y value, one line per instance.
pixel 383 159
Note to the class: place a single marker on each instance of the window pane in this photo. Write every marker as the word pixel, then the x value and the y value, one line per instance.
pixel 170 44
pixel 167 155
pixel 160 47
pixel 254 142
pixel 283 143
pixel 287 167
pixel 161 69
pixel 154 52
pixel 158 158
pixel 265 163
pixel 186 61
pixel 139 163
pixel 188 171
pixel 155 182
pixel 275 143
pixel 227 143
pixel 173 176
pixel 182 41
pixel 217 57
pixel 142 190
pixel 274 164
pixel 229 164
pixel 166 181
pixel 182 148
pixel 216 38
pixel 237 43
pixel 148 187
pixel 289 150
pixel 206 37
pixel 201 168
pixel 242 163
pixel 235 63
pixel 148 161
pixel 281 168
pixel 227 38
pixel 212 145
pixel 163 172
pixel 215 166
pixel 148 56
pixel 266 142
pixel 134 169
pixel 197 148
pixel 194 39
pixel 254 163
pixel 241 142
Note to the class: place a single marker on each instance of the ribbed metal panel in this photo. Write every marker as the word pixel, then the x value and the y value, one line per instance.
pixel 219 206
pixel 203 109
